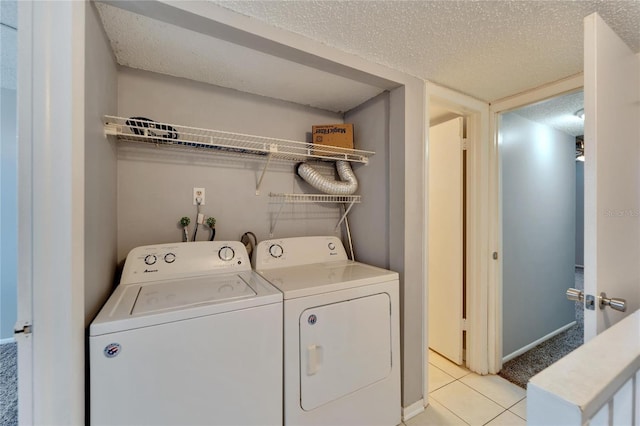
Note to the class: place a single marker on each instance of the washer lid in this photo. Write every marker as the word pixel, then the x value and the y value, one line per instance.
pixel 139 305
pixel 162 296
pixel 318 278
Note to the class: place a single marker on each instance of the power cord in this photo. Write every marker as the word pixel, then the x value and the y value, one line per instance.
pixel 199 218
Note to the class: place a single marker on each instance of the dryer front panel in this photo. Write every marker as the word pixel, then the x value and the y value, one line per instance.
pixel 344 347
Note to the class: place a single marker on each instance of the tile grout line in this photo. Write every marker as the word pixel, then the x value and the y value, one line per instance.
pixel 452 412
pixel 477 391
pixel 516 414
pixel 489 398
pixel 461 419
pixel 486 396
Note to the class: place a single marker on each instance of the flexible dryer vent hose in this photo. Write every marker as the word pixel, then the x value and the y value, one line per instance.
pixel 347 185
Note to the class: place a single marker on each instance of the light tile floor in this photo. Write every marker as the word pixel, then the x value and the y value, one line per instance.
pixel 460 397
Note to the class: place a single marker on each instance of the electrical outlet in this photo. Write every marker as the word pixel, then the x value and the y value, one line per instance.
pixel 198 193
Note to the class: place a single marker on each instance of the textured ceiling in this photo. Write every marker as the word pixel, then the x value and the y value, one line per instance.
pixel 487 49
pixel 558 113
pixel 144 43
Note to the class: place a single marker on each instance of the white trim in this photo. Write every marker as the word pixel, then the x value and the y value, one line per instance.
pixel 7 340
pixel 25 207
pixel 532 345
pixel 478 225
pixel 413 410
pixel 547 91
pixel 539 94
pixel 56 121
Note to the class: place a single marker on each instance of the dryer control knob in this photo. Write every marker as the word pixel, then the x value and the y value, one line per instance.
pixel 332 246
pixel 276 250
pixel 150 259
pixel 169 257
pixel 226 253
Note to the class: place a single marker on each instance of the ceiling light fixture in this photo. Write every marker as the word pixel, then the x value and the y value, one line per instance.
pixel 580 114
pixel 579 148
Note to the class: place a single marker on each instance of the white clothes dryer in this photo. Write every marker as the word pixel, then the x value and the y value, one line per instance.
pixel 341 333
pixel 191 336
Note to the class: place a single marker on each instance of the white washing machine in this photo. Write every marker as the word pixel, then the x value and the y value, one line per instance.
pixel 341 333
pixel 191 336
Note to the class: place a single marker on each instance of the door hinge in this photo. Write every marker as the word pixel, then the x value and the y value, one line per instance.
pixel 22 328
pixel 464 324
pixel 465 144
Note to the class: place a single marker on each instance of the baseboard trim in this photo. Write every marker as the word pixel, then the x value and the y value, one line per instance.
pixel 7 340
pixel 412 410
pixel 537 342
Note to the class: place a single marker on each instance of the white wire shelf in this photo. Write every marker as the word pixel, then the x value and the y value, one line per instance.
pixel 316 198
pixel 216 141
pixel 346 200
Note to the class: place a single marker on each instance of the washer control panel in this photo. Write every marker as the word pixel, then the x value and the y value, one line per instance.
pixel 175 260
pixel 288 252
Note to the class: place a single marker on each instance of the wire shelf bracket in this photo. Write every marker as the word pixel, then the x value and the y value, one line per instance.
pixel 347 200
pixel 264 171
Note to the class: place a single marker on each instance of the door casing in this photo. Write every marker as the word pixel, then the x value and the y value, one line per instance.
pixel 478 238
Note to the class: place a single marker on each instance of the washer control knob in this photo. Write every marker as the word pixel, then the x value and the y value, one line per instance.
pixel 169 257
pixel 226 253
pixel 332 246
pixel 150 259
pixel 276 250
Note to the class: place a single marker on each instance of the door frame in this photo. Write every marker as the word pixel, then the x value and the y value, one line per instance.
pixel 51 385
pixel 541 93
pixel 24 105
pixel 479 238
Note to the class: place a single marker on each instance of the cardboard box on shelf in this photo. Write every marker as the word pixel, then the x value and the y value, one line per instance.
pixel 340 135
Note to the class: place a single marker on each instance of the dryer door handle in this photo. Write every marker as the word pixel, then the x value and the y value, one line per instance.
pixel 314 359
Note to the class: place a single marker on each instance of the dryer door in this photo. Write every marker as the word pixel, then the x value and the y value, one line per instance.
pixel 344 347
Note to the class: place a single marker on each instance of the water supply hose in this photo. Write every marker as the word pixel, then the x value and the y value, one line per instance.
pixel 347 185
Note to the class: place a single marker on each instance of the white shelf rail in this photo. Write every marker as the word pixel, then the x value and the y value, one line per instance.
pixel 166 135
pixel 347 200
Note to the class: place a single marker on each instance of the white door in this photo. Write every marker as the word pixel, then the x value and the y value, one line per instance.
pixel 612 174
pixel 445 239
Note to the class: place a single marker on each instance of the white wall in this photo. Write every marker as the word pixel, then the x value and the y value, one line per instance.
pixel 155 187
pixel 538 196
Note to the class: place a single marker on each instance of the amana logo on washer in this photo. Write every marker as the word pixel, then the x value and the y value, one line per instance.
pixel 112 350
